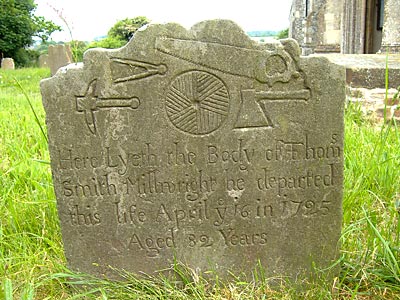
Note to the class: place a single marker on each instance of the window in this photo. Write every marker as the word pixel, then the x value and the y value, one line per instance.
pixel 380 13
pixel 307 7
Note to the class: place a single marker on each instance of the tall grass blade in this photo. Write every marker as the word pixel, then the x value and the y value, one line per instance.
pixel 8 289
pixel 41 161
pixel 388 253
pixel 28 293
pixel 31 106
pixel 386 86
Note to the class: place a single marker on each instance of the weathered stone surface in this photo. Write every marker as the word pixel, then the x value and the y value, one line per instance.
pixel 369 70
pixel 58 56
pixel 391 32
pixel 7 64
pixel 201 146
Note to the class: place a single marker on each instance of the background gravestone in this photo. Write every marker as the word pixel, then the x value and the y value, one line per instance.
pixel 202 146
pixel 58 56
pixel 7 64
pixel 43 61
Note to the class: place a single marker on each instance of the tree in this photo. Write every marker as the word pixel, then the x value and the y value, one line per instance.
pixel 125 29
pixel 15 25
pixel 44 28
pixel 283 34
pixel 107 42
pixel 77 48
pixel 120 33
pixel 18 26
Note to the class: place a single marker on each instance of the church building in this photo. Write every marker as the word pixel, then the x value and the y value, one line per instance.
pixel 346 26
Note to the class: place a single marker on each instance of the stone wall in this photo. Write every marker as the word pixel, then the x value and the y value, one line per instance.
pixel 316 25
pixel 297 20
pixel 346 26
pixel 374 103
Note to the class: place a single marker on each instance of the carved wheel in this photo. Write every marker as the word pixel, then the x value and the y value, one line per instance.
pixel 197 102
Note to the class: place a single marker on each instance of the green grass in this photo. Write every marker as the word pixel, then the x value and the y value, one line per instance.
pixel 31 254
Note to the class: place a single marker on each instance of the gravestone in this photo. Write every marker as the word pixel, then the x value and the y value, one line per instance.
pixel 58 56
pixel 43 61
pixel 7 64
pixel 199 146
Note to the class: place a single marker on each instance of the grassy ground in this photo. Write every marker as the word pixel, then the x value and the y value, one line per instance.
pixel 31 253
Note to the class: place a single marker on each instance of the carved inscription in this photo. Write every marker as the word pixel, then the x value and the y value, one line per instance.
pixel 152 245
pixel 197 102
pixel 139 177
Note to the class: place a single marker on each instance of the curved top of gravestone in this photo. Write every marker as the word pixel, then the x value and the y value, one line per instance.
pixel 212 48
pixel 7 64
pixel 205 44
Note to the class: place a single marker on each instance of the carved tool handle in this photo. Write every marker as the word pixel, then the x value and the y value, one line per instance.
pixel 133 102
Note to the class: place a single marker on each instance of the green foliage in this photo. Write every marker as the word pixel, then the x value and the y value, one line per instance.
pixel 18 25
pixel 26 57
pixel 77 49
pixel 283 34
pixel 118 35
pixel 43 28
pixel 28 227
pixel 43 47
pixel 124 29
pixel 108 42
pixel 6 291
pixel 396 95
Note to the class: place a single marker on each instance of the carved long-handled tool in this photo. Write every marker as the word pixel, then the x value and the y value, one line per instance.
pixel 90 102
